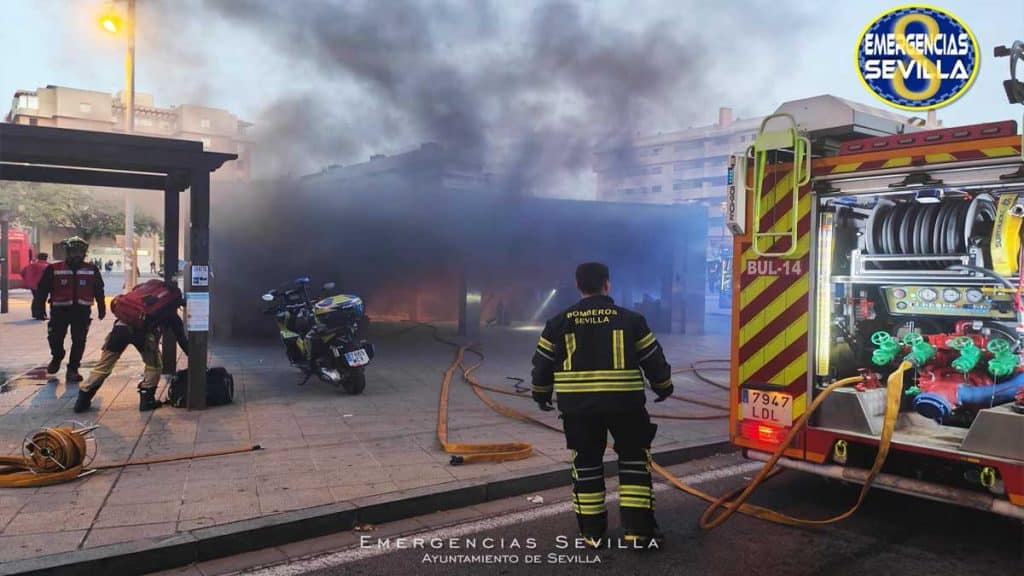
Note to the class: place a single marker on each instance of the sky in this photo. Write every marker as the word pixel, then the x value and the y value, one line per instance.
pixel 541 81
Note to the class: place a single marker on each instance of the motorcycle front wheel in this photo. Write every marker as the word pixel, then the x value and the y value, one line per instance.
pixel 355 383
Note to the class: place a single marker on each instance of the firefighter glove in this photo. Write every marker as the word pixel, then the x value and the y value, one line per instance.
pixel 663 392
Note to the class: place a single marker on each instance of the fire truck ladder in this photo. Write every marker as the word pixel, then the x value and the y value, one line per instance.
pixel 771 141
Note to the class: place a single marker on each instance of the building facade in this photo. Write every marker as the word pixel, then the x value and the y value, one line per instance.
pixel 64 107
pixel 682 167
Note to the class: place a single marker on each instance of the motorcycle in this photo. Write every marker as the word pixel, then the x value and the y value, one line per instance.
pixel 321 338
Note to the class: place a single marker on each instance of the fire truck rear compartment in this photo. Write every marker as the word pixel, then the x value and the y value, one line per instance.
pixel 906 264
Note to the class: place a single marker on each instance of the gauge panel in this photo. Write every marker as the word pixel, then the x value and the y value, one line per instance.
pixel 985 302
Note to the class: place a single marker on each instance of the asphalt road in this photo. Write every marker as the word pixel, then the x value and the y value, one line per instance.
pixel 890 534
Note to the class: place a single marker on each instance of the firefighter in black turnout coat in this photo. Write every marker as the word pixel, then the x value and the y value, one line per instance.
pixel 595 356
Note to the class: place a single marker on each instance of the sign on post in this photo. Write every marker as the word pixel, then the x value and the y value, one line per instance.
pixel 197 312
pixel 200 275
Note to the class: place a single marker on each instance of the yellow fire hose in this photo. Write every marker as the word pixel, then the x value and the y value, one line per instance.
pixel 732 502
pixel 709 519
pixel 477 452
pixel 57 455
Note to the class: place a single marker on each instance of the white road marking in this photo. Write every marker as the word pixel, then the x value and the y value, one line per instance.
pixel 332 559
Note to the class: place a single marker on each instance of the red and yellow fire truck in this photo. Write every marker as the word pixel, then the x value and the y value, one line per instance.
pixel 893 267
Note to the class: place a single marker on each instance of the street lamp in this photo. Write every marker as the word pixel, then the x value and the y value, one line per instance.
pixel 112 21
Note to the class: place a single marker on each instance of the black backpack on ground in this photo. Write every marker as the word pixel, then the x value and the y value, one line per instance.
pixel 220 388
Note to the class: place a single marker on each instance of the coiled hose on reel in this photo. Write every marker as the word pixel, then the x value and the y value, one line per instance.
pixel 50 456
pixel 952 226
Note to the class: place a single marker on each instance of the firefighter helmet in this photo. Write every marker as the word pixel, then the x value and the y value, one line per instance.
pixel 76 242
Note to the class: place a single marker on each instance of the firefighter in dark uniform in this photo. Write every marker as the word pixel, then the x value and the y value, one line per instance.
pixel 71 285
pixel 595 356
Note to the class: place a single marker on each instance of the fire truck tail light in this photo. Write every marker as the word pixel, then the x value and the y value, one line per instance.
pixel 761 432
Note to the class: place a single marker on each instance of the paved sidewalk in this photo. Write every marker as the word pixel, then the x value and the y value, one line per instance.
pixel 321 446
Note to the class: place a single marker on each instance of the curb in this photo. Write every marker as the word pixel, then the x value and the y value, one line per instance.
pixel 155 554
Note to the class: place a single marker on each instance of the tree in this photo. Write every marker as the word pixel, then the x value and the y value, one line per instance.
pixel 60 206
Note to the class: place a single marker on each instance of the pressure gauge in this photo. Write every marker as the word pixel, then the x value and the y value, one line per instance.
pixel 974 296
pixel 950 295
pixel 927 294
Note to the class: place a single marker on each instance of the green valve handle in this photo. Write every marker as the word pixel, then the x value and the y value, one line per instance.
pixel 1003 361
pixel 997 345
pixel 912 338
pixel 882 357
pixel 879 338
pixel 920 350
pixel 888 348
pixel 969 353
pixel 960 342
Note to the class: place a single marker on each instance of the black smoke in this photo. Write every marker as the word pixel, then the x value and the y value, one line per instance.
pixel 534 85
pixel 519 97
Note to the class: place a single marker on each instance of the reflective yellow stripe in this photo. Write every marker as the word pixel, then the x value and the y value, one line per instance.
pixel 849 167
pixel 587 384
pixel 898 162
pixel 634 490
pixel 999 151
pixel 618 350
pixel 542 388
pixel 563 388
pixel 940 157
pixel 587 375
pixel 589 497
pixel 645 341
pixel 634 502
pixel 591 510
pixel 546 344
pixel 570 349
pixel 664 384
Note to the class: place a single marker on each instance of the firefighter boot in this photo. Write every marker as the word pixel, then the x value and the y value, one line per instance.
pixel 147 399
pixel 74 376
pixel 84 400
pixel 652 540
pixel 53 366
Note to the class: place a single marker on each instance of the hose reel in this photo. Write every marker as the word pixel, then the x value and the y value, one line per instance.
pixel 953 226
pixel 50 455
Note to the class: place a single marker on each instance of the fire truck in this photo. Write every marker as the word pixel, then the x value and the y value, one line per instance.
pixel 877 307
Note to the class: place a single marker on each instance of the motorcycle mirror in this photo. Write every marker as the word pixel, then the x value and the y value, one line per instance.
pixel 268 297
pixel 328 285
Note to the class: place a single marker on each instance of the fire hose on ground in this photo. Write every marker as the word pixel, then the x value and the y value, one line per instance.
pixel 720 508
pixel 60 454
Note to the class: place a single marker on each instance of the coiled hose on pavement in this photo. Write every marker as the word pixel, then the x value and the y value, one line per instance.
pixel 57 455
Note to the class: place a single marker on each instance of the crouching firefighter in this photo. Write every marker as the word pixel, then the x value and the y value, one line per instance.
pixel 142 317
pixel 71 285
pixel 595 356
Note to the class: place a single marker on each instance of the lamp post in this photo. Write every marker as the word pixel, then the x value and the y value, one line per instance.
pixel 5 278
pixel 113 23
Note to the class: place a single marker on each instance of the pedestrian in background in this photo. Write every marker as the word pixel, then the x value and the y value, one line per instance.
pixel 30 277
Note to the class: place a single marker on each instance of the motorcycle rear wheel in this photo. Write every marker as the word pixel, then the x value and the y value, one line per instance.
pixel 355 383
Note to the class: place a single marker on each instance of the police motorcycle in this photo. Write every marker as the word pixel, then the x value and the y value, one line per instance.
pixel 321 337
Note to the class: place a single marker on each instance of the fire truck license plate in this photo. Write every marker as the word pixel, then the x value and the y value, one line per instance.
pixel 774 407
